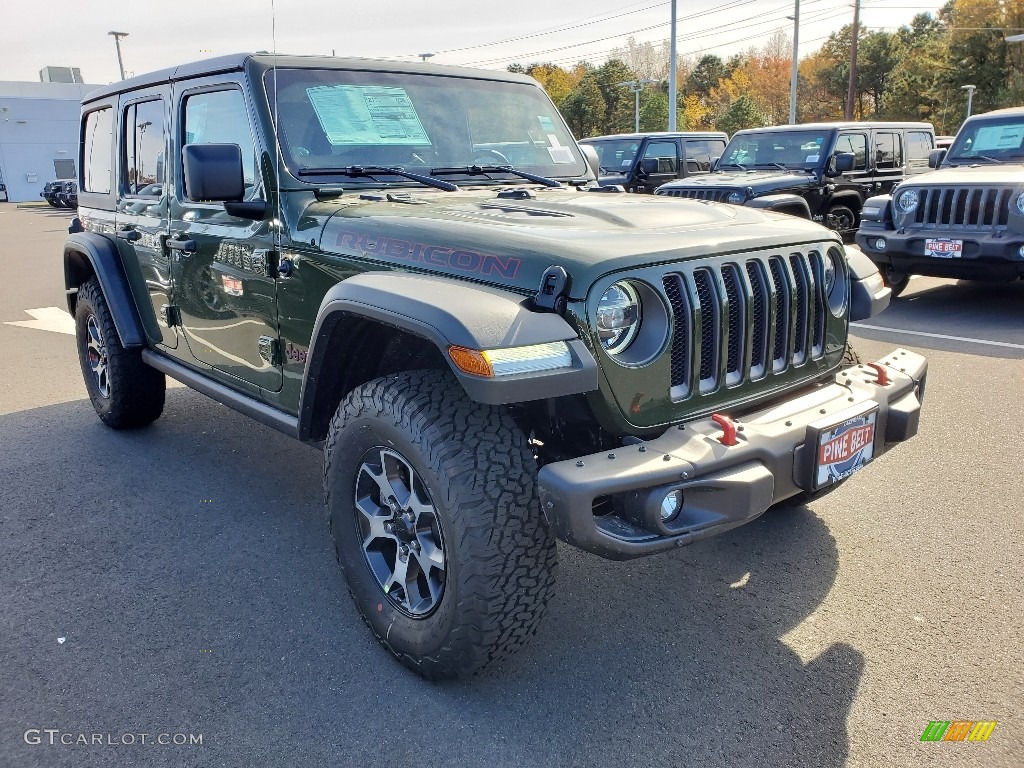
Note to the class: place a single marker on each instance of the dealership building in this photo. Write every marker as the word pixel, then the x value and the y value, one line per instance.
pixel 39 132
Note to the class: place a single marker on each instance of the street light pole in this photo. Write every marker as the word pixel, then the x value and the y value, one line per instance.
pixel 117 42
pixel 851 88
pixel 672 74
pixel 795 69
pixel 970 96
pixel 636 86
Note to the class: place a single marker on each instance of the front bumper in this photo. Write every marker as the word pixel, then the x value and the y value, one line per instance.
pixel 986 256
pixel 722 486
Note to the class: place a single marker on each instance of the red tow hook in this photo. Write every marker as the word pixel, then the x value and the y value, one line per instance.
pixel 728 429
pixel 883 376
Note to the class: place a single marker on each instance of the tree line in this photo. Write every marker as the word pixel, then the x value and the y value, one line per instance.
pixel 913 73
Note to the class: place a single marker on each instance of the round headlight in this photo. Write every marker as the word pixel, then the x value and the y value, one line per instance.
pixel 736 198
pixel 618 317
pixel 830 274
pixel 1020 202
pixel 834 268
pixel 907 201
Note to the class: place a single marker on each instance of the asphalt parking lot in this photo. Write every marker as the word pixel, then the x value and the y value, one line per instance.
pixel 179 580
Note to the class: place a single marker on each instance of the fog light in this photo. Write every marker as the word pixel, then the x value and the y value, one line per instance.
pixel 670 506
pixel 880 244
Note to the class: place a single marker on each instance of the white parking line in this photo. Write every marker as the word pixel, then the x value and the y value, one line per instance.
pixel 968 340
pixel 48 319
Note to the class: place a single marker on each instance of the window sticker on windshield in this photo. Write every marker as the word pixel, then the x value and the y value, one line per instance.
pixel 546 123
pixel 812 159
pixel 367 114
pixel 560 155
pixel 998 137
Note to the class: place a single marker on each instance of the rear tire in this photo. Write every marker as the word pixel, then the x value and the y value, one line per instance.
pixel 124 390
pixel 897 281
pixel 413 465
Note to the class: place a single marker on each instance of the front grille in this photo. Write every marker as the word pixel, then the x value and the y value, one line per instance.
pixel 743 320
pixel 968 208
pixel 717 195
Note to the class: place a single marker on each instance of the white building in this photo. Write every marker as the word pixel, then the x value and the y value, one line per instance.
pixel 38 135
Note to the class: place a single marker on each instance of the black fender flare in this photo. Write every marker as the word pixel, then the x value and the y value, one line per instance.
pixel 88 253
pixel 446 313
pixel 868 293
pixel 782 201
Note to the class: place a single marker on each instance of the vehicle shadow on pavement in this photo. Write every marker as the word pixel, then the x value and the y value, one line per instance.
pixel 965 309
pixel 180 578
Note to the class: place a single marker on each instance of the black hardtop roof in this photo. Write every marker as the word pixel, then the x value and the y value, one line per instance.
pixel 660 135
pixel 836 126
pixel 235 62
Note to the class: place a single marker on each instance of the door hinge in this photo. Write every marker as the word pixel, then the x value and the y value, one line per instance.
pixel 171 315
pixel 270 349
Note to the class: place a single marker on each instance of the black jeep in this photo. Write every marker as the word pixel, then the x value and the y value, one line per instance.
pixel 822 172
pixel 642 162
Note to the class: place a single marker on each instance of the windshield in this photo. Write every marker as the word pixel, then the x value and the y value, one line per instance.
pixel 999 140
pixel 785 149
pixel 336 119
pixel 616 155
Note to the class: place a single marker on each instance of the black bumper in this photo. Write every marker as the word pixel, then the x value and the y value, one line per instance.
pixel 722 486
pixel 985 256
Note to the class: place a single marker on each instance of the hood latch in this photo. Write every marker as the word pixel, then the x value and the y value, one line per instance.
pixel 553 294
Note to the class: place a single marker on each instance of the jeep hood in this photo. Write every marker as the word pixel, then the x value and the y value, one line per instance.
pixel 473 234
pixel 760 181
pixel 989 173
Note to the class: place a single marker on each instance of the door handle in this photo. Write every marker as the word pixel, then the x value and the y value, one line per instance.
pixel 128 233
pixel 189 246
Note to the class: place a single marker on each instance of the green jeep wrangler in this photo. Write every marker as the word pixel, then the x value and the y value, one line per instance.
pixel 413 267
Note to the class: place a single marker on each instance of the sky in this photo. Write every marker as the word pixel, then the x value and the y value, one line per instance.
pixel 482 33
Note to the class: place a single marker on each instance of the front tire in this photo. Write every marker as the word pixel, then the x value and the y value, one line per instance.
pixel 433 509
pixel 897 281
pixel 842 219
pixel 124 390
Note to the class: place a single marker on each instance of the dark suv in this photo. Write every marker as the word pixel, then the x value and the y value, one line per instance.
pixel 492 353
pixel 641 162
pixel 821 171
pixel 966 219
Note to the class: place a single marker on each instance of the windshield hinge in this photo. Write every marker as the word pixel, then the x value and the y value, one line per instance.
pixel 270 349
pixel 553 294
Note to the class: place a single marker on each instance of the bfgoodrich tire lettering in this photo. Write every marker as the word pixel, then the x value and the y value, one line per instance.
pixel 124 390
pixel 476 466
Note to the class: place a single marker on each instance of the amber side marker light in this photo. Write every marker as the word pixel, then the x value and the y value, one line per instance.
pixel 493 363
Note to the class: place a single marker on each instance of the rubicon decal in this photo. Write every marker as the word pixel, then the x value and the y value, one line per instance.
pixel 485 264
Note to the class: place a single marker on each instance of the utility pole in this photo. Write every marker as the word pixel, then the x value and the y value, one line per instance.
pixel 970 96
pixel 851 89
pixel 636 86
pixel 672 74
pixel 117 42
pixel 796 65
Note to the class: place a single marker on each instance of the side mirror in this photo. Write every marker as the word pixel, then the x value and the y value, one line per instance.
pixel 714 163
pixel 843 162
pixel 935 157
pixel 649 165
pixel 213 172
pixel 592 158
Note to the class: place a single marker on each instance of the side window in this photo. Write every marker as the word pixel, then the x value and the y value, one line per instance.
pixel 699 153
pixel 919 146
pixel 888 151
pixel 665 152
pixel 857 144
pixel 97 158
pixel 220 117
pixel 143 141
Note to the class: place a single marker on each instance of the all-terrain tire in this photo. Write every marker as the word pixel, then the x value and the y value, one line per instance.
pixel 477 468
pixel 125 392
pixel 897 281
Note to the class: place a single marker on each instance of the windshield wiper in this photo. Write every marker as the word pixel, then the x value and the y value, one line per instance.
pixel 484 170
pixel 983 157
pixel 732 165
pixel 370 170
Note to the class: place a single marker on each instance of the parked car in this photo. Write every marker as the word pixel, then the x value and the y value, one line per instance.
pixel 51 192
pixel 963 220
pixel 821 171
pixel 67 196
pixel 641 162
pixel 491 355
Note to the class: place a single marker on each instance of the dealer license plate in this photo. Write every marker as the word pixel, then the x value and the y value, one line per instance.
pixel 844 449
pixel 944 248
